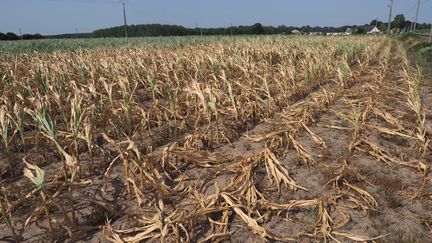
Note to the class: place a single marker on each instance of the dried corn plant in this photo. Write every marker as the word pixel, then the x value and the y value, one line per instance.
pixel 140 125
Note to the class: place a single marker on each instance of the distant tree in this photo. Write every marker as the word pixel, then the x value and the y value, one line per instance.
pixel 32 37
pixel 360 31
pixel 376 23
pixel 257 29
pixel 145 30
pixel 423 26
pixel 282 29
pixel 399 21
pixel 26 37
pixel 269 30
pixel 305 29
pixel 382 26
pixel 11 36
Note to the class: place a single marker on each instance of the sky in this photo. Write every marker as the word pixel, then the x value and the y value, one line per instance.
pixel 65 16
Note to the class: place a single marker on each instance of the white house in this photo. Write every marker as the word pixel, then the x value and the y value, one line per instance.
pixel 296 32
pixel 374 30
pixel 316 33
pixel 336 33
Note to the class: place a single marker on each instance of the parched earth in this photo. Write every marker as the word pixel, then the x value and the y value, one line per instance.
pixel 346 161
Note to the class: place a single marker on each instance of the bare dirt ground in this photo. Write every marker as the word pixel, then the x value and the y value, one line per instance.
pixel 340 163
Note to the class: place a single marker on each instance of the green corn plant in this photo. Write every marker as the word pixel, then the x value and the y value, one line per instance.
pixel 48 124
pixel 212 104
pixel 82 72
pixel 153 86
pixel 171 99
pixel 88 139
pixel 266 86
pixel 196 90
pixel 4 126
pixel 41 80
pixel 19 121
pixel 127 108
pixel 45 122
pixel 76 117
pixel 76 112
pixel 56 96
pixel 126 105
pixel 109 90
pixel 343 72
pixel 231 93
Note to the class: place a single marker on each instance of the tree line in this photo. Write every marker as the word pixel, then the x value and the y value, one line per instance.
pixel 177 30
pixel 12 36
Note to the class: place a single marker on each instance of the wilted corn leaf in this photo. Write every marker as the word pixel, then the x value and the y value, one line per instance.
pixel 35 175
pixel 276 171
pixel 358 237
pixel 250 222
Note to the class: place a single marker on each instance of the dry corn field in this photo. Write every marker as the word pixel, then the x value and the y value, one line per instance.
pixel 267 139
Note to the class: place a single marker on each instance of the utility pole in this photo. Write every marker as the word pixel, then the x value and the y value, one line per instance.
pixel 76 32
pixel 125 23
pixel 417 13
pixel 231 29
pixel 390 16
pixel 430 36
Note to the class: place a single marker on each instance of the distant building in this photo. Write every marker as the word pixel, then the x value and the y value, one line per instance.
pixel 316 33
pixel 296 32
pixel 348 31
pixel 317 30
pixel 337 33
pixel 374 31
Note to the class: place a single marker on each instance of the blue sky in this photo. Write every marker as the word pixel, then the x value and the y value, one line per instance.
pixel 63 16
